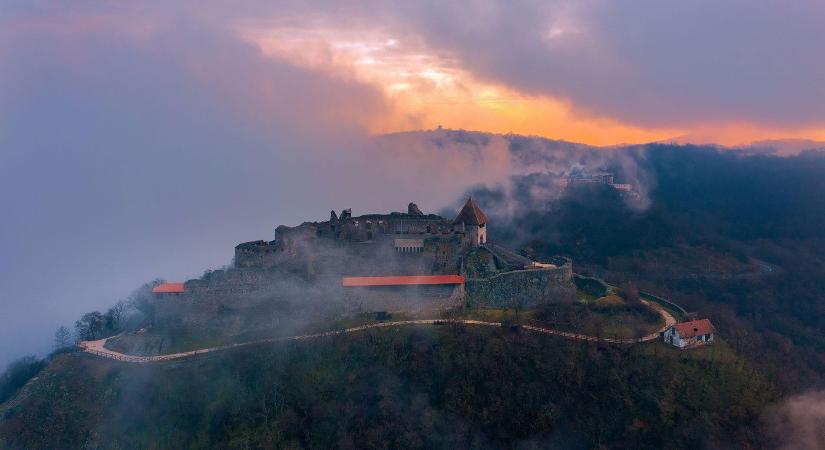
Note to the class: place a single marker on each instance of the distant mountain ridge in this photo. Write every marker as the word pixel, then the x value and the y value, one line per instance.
pixel 777 147
pixel 441 136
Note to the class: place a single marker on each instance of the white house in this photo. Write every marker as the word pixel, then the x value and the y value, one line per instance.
pixel 689 334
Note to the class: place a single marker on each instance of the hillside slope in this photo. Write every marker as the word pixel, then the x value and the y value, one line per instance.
pixel 417 388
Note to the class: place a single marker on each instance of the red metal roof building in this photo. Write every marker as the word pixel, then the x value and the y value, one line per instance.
pixel 168 288
pixel 410 280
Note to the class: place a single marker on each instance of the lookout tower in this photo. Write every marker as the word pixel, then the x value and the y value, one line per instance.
pixel 473 221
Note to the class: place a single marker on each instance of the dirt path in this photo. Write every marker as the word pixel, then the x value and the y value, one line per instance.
pixel 98 347
pixel 22 394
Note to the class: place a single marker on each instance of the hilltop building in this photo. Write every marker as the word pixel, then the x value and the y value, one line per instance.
pixel 473 222
pixel 689 334
pixel 607 178
pixel 388 262
pixel 168 289
pixel 435 239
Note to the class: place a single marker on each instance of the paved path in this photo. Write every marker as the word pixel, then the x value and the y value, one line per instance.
pixel 98 347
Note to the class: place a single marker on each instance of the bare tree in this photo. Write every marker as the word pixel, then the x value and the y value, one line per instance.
pixel 629 291
pixel 90 326
pixel 113 319
pixel 62 338
pixel 142 301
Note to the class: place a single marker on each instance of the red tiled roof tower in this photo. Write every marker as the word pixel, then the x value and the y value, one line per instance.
pixel 471 214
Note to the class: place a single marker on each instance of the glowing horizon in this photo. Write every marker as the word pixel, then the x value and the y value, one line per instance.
pixel 425 89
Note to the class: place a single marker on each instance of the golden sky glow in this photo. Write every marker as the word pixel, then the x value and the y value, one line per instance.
pixel 424 89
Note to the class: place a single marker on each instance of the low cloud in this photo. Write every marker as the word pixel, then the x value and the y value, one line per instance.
pixel 798 423
pixel 137 145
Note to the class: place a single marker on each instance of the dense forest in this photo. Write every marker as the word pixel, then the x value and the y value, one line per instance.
pixel 712 206
pixel 403 388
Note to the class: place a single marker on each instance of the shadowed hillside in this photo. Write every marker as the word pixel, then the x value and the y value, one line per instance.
pixel 410 388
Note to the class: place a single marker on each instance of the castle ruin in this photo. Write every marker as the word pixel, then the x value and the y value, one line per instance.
pixel 433 238
pixel 422 244
pixel 388 262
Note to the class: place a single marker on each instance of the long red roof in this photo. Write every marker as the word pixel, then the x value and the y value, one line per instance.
pixel 410 280
pixel 168 288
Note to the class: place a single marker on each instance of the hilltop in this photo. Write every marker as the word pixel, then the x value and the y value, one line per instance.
pixel 408 388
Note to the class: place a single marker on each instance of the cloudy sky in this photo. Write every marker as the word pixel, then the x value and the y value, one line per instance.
pixel 144 139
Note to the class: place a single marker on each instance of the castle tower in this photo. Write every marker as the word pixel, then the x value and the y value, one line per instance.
pixel 473 221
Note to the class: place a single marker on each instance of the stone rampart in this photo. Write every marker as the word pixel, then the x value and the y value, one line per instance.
pixel 233 299
pixel 403 298
pixel 257 254
pixel 590 285
pixel 522 288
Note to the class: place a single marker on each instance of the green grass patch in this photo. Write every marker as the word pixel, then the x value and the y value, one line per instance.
pixel 585 296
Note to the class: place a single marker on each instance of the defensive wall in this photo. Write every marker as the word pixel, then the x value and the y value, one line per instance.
pixel 522 288
pixel 227 299
pixel 591 285
pixel 403 298
pixel 678 310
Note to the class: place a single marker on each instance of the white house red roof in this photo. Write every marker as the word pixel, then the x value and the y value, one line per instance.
pixel 168 288
pixel 694 328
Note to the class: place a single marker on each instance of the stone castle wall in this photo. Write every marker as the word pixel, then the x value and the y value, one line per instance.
pixel 257 254
pixel 592 286
pixel 522 288
pixel 206 301
pixel 403 298
pixel 439 253
pixel 239 299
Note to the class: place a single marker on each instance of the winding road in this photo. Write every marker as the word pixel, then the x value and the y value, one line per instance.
pixel 98 347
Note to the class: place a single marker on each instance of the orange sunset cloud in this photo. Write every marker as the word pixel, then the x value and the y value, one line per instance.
pixel 425 89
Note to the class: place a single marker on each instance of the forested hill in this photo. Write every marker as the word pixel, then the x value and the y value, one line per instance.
pixel 728 231
pixel 447 387
pixel 733 235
